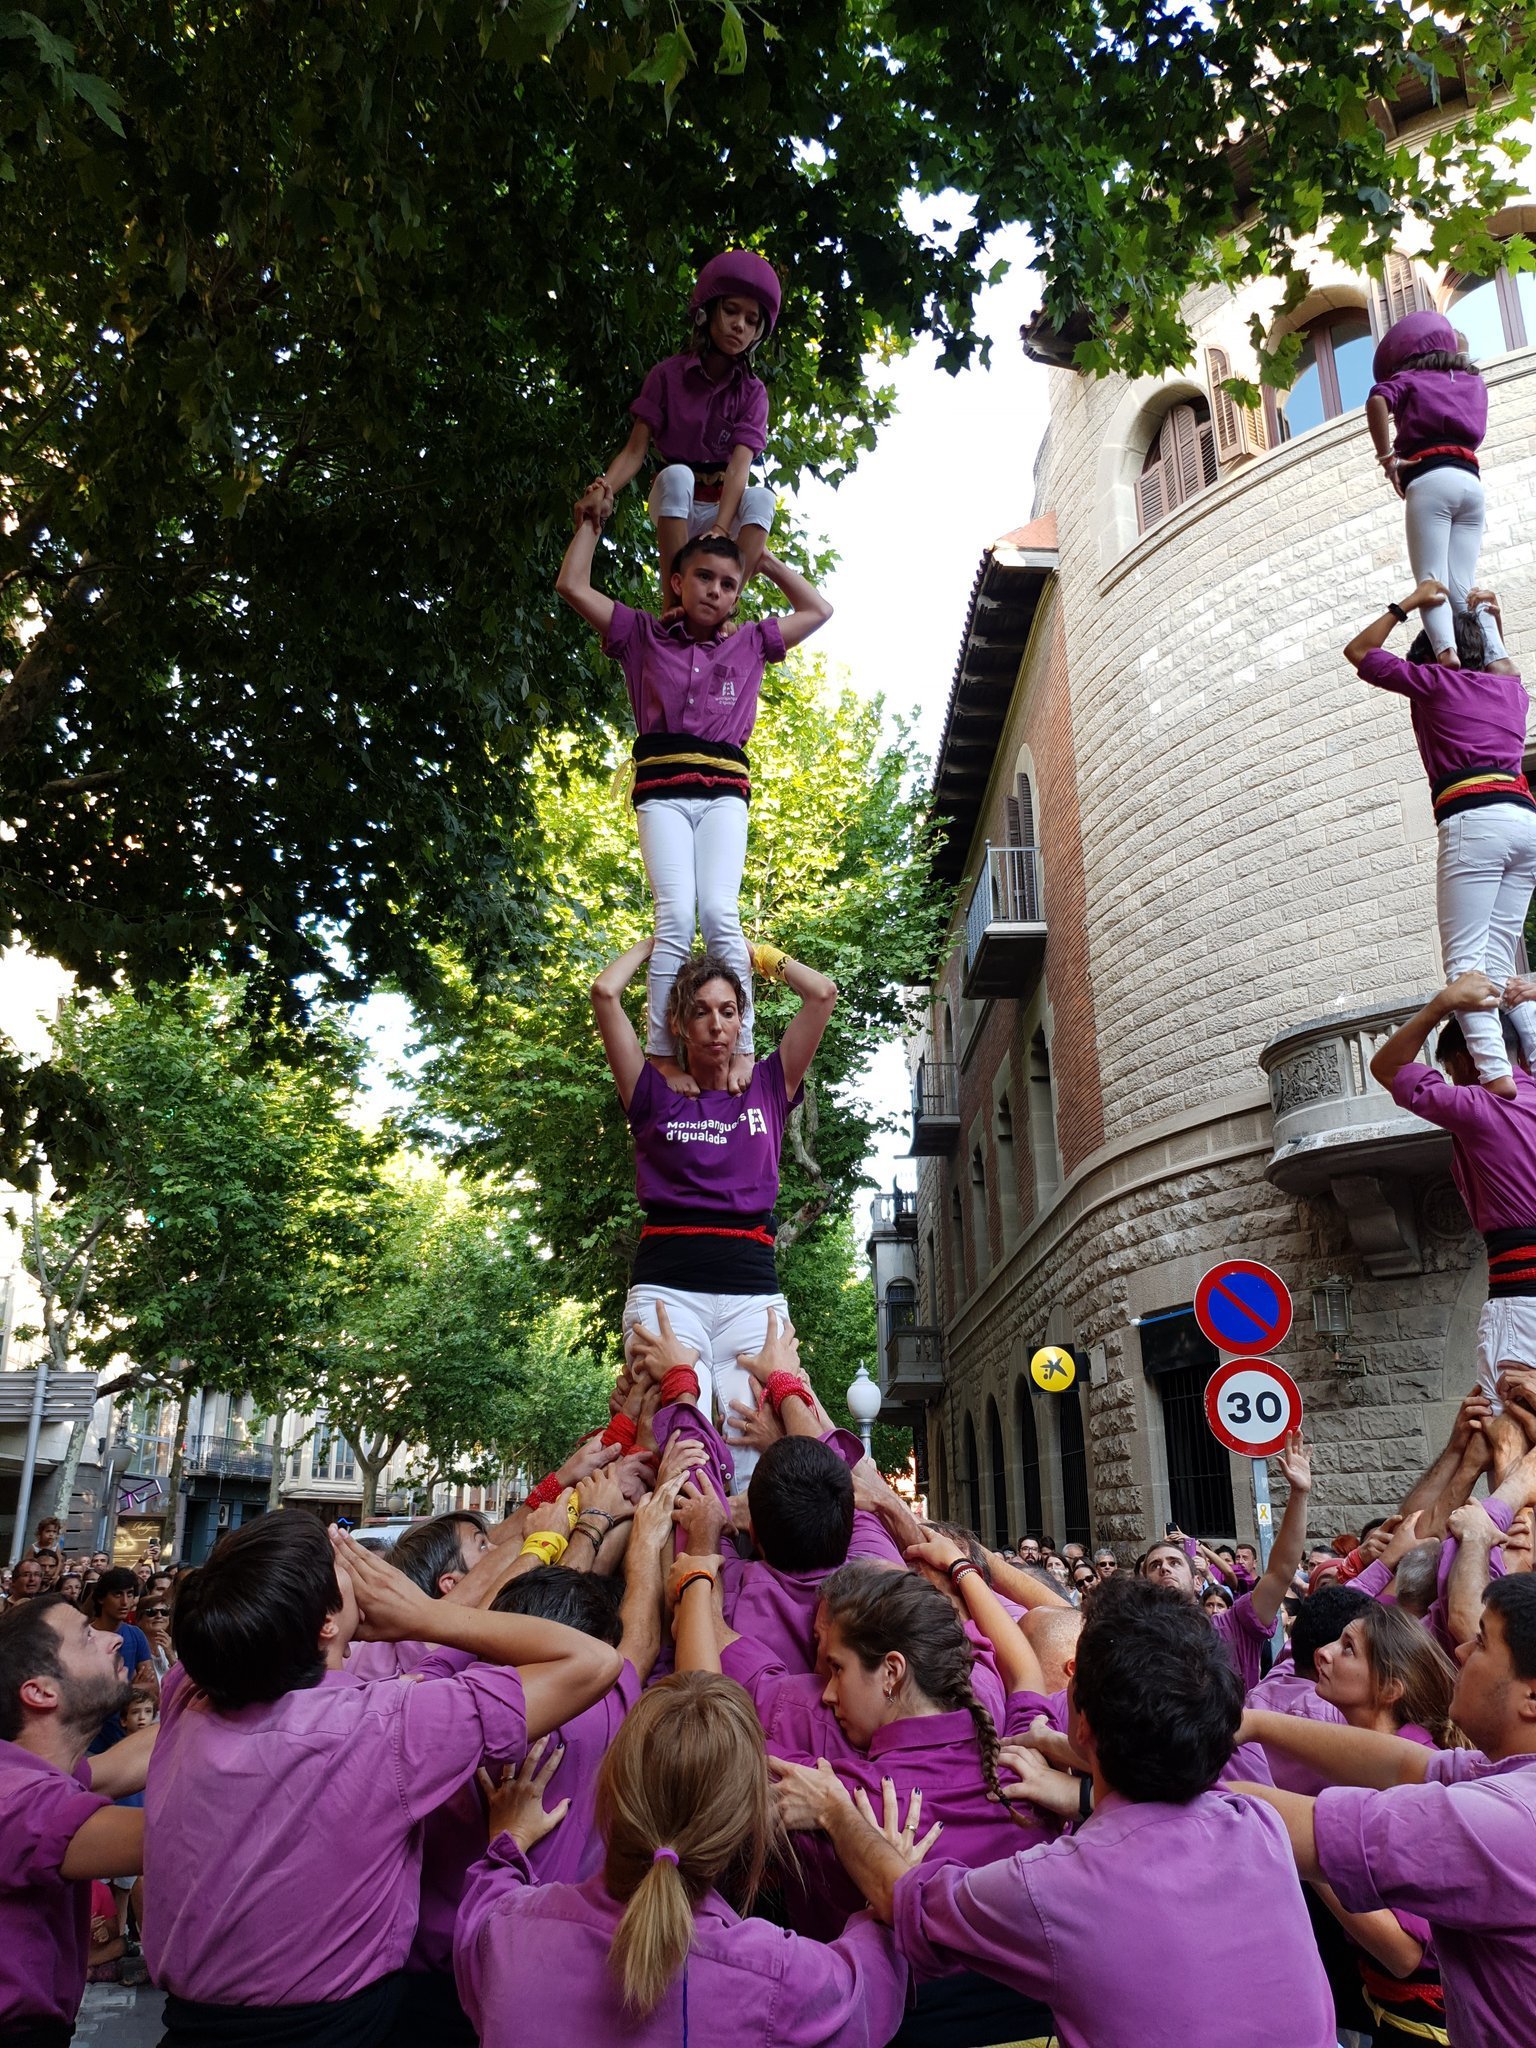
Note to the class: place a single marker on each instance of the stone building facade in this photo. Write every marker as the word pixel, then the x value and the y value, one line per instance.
pixel 1196 866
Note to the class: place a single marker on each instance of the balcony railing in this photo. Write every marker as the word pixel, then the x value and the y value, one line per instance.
pixel 896 1211
pixel 935 1108
pixel 231 1456
pixel 1005 925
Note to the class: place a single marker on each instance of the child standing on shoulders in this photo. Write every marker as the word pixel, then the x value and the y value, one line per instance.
pixel 694 695
pixel 707 417
pixel 1429 391
pixel 1469 721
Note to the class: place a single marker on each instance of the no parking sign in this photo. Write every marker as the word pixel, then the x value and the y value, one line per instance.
pixel 1243 1307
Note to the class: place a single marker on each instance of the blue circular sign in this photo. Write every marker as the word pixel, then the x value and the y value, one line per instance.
pixel 1243 1307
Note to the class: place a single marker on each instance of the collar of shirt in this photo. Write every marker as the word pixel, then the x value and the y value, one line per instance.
pixel 678 630
pixel 693 366
pixel 923 1731
pixel 711 1909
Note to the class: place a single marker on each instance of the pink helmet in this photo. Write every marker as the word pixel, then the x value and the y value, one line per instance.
pixel 1414 335
pixel 739 270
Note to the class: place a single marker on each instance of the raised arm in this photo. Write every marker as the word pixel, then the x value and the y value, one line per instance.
pixel 1469 991
pixel 810 609
pixel 626 1057
pixel 1465 1452
pixel 1380 631
pixel 1291 1540
pixel 1344 1756
pixel 574 583
pixel 640 1610
pixel 596 501
pixel 737 472
pixel 818 999
pixel 937 1558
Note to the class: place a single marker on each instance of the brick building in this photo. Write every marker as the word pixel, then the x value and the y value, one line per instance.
pixel 1196 867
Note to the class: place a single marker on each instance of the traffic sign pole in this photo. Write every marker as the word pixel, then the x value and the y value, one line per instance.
pixel 1263 1515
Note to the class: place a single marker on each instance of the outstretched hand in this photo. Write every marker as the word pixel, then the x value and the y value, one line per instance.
pixel 780 1351
pixel 1296 1463
pixel 515 1801
pixel 901 1834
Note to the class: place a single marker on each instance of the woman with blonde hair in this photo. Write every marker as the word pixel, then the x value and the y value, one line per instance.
pixel 649 1950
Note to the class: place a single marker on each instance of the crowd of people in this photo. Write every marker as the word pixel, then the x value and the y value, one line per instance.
pixel 657 1759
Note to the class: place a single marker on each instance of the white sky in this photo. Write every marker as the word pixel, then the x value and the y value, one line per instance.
pixel 952 471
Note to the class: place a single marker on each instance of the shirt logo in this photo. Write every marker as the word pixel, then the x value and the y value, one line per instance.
pixel 728 689
pixel 757 1124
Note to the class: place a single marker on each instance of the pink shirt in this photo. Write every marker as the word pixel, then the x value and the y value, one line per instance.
pixel 1462 717
pixel 1460 1851
pixel 532 1965
pixel 369 1662
pixel 699 419
pixel 705 689
pixel 283 1841
pixel 1493 1142
pixel 1435 409
pixel 1110 1927
pixel 1244 1636
pixel 45 1919
pixel 714 1152
pixel 1286 1692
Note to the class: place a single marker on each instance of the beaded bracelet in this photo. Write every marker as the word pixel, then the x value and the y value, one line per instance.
pixel 962 1568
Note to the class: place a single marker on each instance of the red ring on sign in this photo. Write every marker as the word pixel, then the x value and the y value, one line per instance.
pixel 1285 1386
pixel 1237 1327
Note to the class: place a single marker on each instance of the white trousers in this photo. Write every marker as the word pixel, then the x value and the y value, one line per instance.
pixel 718 1326
pixel 1444 514
pixel 672 498
pixel 1483 882
pixel 694 848
pixel 1506 1335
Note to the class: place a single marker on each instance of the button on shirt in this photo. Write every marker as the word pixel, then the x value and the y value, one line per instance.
pixel 1462 717
pixel 1110 1927
pixel 532 1962
pixel 699 419
pixel 45 1919
pixel 704 688
pixel 1459 1850
pixel 299 1824
pixel 1493 1142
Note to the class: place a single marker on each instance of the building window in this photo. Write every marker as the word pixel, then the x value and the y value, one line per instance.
pixel 947 1037
pixel 957 1244
pixel 1044 1154
pixel 1496 314
pixel 1007 1173
pixel 1019 813
pixel 1074 1469
pixel 1333 374
pixel 1179 1361
pixel 998 1460
pixel 1179 465
pixel 970 1479
pixel 981 1238
pixel 345 1463
pixel 1033 1523
pixel 931 1281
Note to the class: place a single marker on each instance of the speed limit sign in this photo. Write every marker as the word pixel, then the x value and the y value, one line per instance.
pixel 1252 1405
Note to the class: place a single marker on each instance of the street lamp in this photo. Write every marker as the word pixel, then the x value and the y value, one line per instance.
pixel 864 1399
pixel 1333 1320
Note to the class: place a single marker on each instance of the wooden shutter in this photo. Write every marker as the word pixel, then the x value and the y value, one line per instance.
pixel 1225 411
pixel 1151 498
pixel 1397 290
pixel 1026 803
pixel 1185 424
pixel 1015 827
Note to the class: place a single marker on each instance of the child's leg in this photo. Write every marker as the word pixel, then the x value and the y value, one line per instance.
pixel 666 830
pixel 1466 536
pixel 754 523
pixel 1427 514
pixel 1509 913
pixel 1468 878
pixel 720 853
pixel 670 506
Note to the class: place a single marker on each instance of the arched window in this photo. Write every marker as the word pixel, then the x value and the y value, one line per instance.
pixel 970 1479
pixel 1074 1469
pixel 1179 465
pixel 1333 375
pixel 947 1034
pixel 1496 314
pixel 1033 1523
pixel 900 1306
pixel 1020 813
pixel 997 1459
pixel 957 1244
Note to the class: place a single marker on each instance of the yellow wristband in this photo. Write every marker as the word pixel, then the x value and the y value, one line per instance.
pixel 573 1513
pixel 545 1544
pixel 768 962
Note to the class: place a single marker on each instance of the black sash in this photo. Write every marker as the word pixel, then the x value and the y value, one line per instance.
pixel 361 2021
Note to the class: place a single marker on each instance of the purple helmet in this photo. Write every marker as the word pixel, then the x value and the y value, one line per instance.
pixel 1416 334
pixel 739 270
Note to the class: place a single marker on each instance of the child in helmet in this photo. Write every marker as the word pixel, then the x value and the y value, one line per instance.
pixel 1428 412
pixel 706 417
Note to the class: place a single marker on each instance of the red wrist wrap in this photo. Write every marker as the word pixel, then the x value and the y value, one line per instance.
pixel 1354 1565
pixel 782 1384
pixel 680 1380
pixel 547 1490
pixel 621 1431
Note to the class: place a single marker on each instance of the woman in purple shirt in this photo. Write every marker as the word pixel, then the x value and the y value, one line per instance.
pixel 650 1950
pixel 1469 721
pixel 707 1166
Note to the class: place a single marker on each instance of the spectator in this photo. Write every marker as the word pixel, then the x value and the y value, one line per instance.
pixel 50 1534
pixel 107 1607
pixel 26 1580
pixel 51 1565
pixel 154 1623
pixel 1084 1579
pixel 1105 1563
pixel 69 1586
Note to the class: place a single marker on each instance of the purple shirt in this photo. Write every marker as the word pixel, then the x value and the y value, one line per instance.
pixel 299 1824
pixel 1460 1850
pixel 371 1662
pixel 1435 409
pixel 1286 1692
pixel 1110 1927
pixel 699 689
pixel 700 419
pixel 1244 1636
pixel 1493 1142
pixel 45 1919
pixel 713 1151
pixel 532 1965
pixel 1462 717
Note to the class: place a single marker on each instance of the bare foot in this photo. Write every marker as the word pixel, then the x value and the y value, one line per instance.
pixel 1504 1088
pixel 676 1076
pixel 739 1080
pixel 1507 1446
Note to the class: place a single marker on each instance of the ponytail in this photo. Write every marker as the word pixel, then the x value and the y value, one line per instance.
pixel 683 1806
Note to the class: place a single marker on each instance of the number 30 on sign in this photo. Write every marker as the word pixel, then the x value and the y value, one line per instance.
pixel 1252 1405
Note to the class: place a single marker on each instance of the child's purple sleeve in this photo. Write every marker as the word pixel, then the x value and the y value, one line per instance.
pixel 650 403
pixel 751 428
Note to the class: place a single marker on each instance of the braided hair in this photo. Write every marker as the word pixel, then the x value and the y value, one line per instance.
pixel 877 1611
